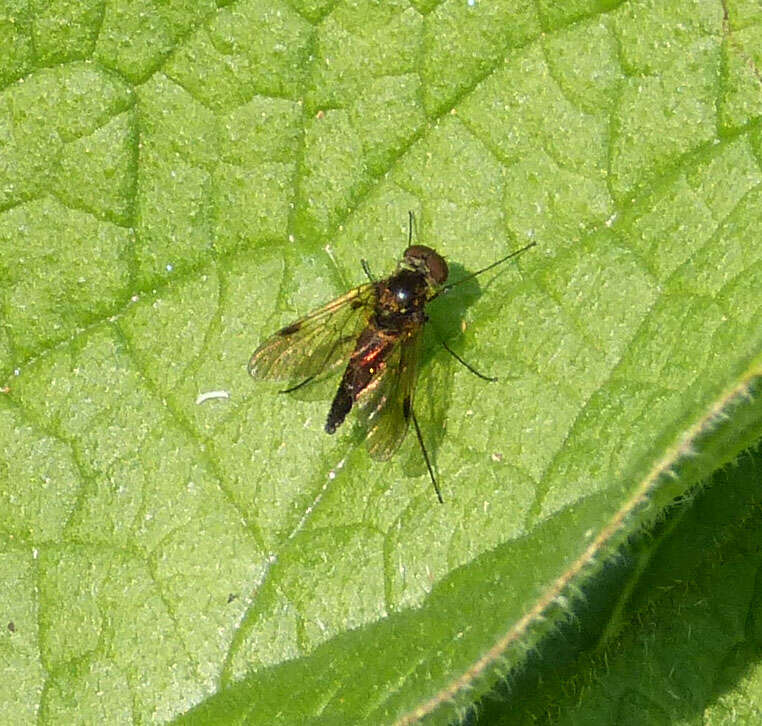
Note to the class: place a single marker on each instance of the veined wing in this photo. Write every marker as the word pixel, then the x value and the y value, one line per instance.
pixel 385 407
pixel 317 343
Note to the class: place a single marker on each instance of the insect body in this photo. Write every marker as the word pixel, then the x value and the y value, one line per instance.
pixel 395 323
pixel 374 331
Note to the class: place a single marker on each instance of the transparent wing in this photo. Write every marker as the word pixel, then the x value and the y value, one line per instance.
pixel 385 407
pixel 315 344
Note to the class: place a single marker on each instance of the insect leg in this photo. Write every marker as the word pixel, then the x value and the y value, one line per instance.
pixel 297 386
pixel 456 356
pixel 339 341
pixel 466 365
pixel 408 411
pixel 366 270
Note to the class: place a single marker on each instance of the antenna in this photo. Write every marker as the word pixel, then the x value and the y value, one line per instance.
pixel 488 267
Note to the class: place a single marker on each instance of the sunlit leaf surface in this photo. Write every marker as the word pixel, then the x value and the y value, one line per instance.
pixel 179 180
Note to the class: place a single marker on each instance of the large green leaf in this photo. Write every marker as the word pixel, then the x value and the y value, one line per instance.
pixel 689 651
pixel 180 179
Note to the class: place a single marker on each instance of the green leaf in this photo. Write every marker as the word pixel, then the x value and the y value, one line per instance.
pixel 687 650
pixel 181 179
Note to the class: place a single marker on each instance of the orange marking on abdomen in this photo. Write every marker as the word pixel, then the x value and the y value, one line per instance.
pixel 372 354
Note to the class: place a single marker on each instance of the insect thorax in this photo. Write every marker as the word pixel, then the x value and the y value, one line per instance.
pixel 401 299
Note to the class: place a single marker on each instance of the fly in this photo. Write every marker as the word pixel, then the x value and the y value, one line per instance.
pixel 374 332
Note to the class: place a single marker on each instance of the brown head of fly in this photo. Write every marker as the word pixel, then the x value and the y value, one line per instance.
pixel 374 333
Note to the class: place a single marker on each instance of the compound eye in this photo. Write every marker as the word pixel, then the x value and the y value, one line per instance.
pixel 428 261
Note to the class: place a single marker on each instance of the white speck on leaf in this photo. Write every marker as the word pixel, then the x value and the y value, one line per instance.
pixel 210 395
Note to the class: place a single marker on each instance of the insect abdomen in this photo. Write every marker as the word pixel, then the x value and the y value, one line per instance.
pixel 366 363
pixel 341 406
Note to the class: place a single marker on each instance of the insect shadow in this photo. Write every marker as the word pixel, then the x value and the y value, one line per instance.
pixel 439 369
